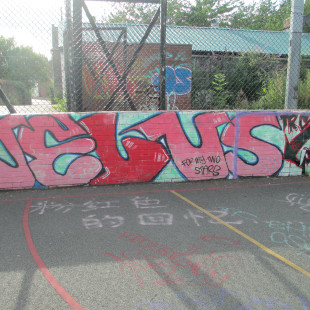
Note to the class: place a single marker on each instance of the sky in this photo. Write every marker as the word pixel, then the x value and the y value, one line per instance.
pixel 30 21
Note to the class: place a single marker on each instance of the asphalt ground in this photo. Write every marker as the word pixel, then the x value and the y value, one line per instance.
pixel 227 244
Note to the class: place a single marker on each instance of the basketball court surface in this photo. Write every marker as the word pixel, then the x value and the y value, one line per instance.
pixel 228 244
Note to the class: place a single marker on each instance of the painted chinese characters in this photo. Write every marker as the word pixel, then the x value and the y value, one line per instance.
pixel 102 213
pixel 302 201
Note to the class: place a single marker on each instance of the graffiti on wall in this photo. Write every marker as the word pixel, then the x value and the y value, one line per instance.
pixel 299 130
pixel 142 81
pixel 178 82
pixel 110 148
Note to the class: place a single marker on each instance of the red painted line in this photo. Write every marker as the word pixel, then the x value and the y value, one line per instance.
pixel 156 191
pixel 47 274
pixel 15 200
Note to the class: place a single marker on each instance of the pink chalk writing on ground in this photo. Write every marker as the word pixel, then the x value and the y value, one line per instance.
pixel 213 273
pixel 213 270
pixel 70 140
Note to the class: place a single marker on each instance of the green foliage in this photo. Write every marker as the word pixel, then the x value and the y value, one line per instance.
pixel 201 12
pixel 180 13
pixel 252 69
pixel 6 45
pixel 219 82
pixel 200 89
pixel 219 92
pixel 16 92
pixel 231 81
pixel 273 92
pixel 133 13
pixel 22 64
pixel 137 13
pixel 213 94
pixel 240 18
pixel 266 15
pixel 60 105
pixel 304 92
pixel 307 12
pixel 251 80
pixel 260 15
pixel 26 66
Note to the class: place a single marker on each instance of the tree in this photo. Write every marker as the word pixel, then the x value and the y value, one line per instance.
pixel 22 64
pixel 136 13
pixel 26 66
pixel 241 17
pixel 201 12
pixel 264 15
pixel 307 12
pixel 133 13
pixel 181 13
pixel 267 15
pixel 5 46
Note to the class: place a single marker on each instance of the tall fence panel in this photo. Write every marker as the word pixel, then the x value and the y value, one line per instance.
pixel 73 55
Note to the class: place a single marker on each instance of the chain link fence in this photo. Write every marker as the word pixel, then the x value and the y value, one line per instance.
pixel 66 55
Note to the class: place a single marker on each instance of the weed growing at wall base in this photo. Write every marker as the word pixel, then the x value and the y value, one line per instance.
pixel 60 105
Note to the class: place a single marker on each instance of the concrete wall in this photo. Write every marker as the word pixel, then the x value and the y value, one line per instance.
pixel 38 151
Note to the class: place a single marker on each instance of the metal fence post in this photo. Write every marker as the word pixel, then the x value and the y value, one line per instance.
pixel 293 70
pixel 77 53
pixel 163 21
pixel 56 59
pixel 67 39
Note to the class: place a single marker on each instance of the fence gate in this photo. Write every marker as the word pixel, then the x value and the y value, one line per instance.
pixel 101 68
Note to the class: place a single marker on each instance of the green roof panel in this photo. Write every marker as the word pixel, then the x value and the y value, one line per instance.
pixel 205 39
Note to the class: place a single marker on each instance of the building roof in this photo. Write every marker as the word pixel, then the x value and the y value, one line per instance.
pixel 205 39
